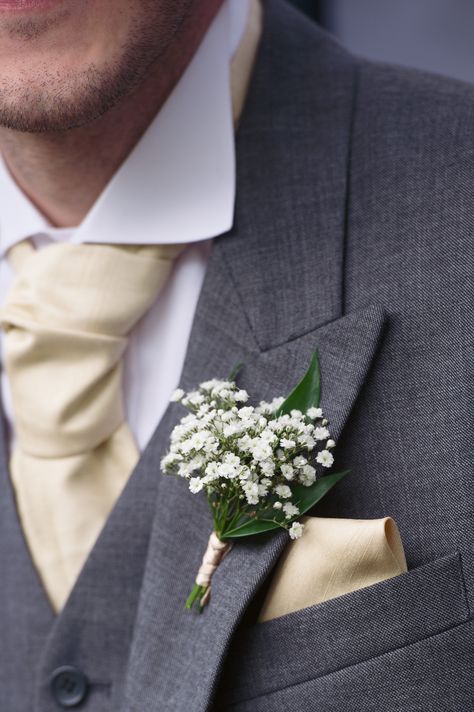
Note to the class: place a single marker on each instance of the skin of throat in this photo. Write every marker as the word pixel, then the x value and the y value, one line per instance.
pixel 64 161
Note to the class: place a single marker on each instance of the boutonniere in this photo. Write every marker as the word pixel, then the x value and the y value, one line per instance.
pixel 259 466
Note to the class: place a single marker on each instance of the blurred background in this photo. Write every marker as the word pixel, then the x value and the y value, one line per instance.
pixel 435 35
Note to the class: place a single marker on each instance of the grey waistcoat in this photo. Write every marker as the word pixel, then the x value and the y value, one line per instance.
pixel 353 234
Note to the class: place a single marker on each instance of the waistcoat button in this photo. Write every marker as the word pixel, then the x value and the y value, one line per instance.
pixel 69 686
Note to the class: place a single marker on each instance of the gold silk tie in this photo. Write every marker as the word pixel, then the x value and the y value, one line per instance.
pixel 66 320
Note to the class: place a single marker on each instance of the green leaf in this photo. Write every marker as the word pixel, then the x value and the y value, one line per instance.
pixel 307 393
pixel 251 527
pixel 235 371
pixel 304 497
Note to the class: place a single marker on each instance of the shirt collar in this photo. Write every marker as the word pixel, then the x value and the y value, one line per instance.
pixel 178 183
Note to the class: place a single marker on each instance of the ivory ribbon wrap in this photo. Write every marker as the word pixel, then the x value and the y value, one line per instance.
pixel 215 552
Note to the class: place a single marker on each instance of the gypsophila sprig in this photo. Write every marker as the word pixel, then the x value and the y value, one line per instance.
pixel 259 466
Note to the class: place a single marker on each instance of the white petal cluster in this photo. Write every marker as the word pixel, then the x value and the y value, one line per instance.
pixel 249 453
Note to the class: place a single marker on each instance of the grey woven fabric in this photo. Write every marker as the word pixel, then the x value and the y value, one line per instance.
pixel 353 234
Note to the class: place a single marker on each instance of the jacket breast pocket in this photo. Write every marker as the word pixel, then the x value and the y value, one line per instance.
pixel 345 631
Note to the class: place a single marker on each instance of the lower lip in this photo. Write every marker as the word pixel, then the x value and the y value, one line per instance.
pixel 24 5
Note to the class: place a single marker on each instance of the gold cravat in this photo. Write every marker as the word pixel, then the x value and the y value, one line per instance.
pixel 66 320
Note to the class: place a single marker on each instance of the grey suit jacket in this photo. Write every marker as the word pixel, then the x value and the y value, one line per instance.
pixel 353 235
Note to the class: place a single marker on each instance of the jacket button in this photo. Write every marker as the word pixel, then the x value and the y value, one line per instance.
pixel 69 686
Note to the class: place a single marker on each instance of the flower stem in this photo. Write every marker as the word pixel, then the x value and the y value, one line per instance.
pixel 196 595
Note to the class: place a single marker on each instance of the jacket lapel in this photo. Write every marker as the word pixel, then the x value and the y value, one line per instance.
pixel 177 654
pixel 287 243
pixel 293 149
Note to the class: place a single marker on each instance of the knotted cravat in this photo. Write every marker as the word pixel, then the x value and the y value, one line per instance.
pixel 66 322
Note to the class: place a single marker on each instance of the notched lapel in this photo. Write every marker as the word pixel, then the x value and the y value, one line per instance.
pixel 177 655
pixel 278 274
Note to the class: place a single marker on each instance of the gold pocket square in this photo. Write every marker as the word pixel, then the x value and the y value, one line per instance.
pixel 333 557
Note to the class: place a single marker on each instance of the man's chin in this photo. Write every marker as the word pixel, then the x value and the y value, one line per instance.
pixel 46 122
pixel 51 100
pixel 44 112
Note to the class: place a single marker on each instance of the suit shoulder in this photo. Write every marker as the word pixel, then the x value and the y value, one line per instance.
pixel 397 103
pixel 413 110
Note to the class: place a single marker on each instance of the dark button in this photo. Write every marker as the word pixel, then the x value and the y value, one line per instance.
pixel 69 686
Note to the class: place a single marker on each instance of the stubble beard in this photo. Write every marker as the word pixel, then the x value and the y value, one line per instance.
pixel 59 101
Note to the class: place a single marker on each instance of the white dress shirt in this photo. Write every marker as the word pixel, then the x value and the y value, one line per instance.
pixel 176 186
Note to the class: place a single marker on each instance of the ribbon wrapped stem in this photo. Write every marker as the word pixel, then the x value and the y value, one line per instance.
pixel 214 554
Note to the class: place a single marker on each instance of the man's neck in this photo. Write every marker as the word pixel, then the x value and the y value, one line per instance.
pixel 63 173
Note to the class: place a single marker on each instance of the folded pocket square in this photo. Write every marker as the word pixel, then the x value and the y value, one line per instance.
pixel 333 557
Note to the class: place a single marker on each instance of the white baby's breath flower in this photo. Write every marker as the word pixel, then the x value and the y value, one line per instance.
pixel 220 389
pixel 199 439
pixel 287 471
pixel 283 491
pixel 169 460
pixel 268 436
pixel 244 473
pixel 306 441
pixel 227 416
pixel 196 398
pixel 325 458
pixel 195 484
pixel 263 408
pixel 245 443
pixel 296 530
pixel 290 510
pixel 298 426
pixel 251 492
pixel 178 432
pixel 276 403
pixel 267 467
pixel 274 426
pixel 231 429
pixel 208 385
pixel 211 472
pixel 321 433
pixel 177 395
pixel 295 413
pixel 232 459
pixel 308 475
pixel 211 446
pixel 314 413
pixel 278 505
pixel 197 462
pixel 187 446
pixel 261 450
pixel 330 444
pixel 287 444
pixel 227 470
pixel 246 412
pixel 299 461
pixel 241 396
pixel 185 469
